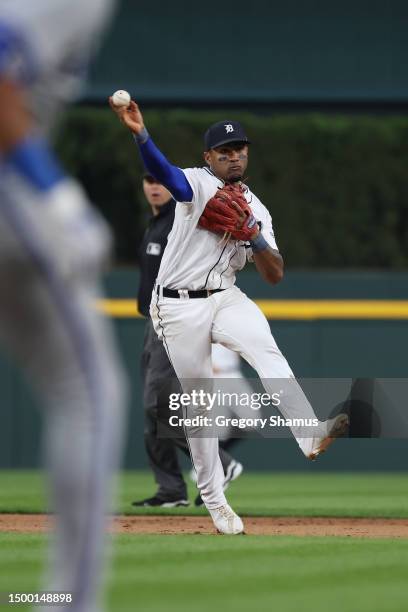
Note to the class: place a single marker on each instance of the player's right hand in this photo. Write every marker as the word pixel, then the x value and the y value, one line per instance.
pixel 129 116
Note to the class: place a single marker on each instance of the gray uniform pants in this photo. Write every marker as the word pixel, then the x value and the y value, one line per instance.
pixel 157 371
pixel 48 322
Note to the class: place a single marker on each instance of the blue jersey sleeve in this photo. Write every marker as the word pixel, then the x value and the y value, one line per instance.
pixel 168 175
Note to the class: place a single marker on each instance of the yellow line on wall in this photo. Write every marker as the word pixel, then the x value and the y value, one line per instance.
pixel 334 309
pixel 300 310
pixel 119 308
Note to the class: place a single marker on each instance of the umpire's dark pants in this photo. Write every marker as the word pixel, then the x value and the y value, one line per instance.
pixel 156 372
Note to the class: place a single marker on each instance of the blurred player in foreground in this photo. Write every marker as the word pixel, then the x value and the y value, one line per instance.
pixel 157 370
pixel 53 246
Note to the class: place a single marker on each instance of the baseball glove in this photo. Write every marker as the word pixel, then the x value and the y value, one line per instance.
pixel 228 213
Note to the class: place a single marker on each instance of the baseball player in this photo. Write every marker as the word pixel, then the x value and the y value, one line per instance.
pixel 157 370
pixel 53 246
pixel 195 300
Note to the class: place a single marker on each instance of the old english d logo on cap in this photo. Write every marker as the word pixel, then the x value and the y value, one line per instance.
pixel 223 132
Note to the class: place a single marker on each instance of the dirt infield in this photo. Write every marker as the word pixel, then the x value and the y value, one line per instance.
pixel 175 525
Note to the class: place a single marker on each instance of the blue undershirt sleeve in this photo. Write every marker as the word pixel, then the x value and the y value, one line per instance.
pixel 168 175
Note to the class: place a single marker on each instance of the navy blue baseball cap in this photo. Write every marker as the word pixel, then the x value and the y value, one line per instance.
pixel 224 132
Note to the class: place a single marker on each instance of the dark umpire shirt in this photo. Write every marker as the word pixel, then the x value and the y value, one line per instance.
pixel 151 251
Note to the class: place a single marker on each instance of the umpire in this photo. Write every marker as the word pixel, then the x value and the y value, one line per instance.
pixel 156 367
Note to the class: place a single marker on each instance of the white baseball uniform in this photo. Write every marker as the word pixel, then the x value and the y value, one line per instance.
pixel 52 249
pixel 226 365
pixel 197 259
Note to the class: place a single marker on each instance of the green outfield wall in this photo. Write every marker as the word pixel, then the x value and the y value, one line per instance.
pixel 259 51
pixel 319 347
pixel 336 186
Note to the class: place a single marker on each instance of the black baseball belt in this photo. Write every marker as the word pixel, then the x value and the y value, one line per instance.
pixel 185 293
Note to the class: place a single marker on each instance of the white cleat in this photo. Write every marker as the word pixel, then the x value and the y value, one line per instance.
pixel 336 427
pixel 234 470
pixel 226 520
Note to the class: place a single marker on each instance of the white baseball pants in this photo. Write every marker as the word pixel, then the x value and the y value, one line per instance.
pixel 187 328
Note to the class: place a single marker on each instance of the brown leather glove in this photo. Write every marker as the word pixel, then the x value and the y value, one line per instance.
pixel 228 212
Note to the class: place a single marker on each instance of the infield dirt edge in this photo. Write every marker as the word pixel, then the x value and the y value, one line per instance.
pixel 202 525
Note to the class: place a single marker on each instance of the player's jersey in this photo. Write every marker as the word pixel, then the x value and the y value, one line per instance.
pixel 195 258
pixel 46 45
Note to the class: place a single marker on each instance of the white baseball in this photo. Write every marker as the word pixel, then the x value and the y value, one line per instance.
pixel 121 98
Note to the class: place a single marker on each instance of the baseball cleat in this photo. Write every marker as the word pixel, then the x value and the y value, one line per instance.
pixel 336 427
pixel 233 471
pixel 160 502
pixel 226 521
pixel 198 501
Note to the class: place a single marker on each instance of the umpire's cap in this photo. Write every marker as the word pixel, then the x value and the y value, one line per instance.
pixel 224 132
pixel 149 178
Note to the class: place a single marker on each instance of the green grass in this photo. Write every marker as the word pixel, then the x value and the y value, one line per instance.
pixel 262 494
pixel 252 573
pixel 195 573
